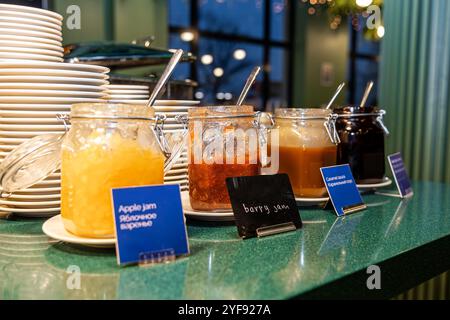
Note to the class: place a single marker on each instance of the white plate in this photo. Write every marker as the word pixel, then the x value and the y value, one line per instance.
pixel 53 79
pixel 31 127
pixel 8 37
pixel 51 86
pixel 174 178
pixel 177 103
pixel 127 87
pixel 32 213
pixel 20 204
pixel 171 172
pixel 12 141
pixel 30 120
pixel 44 52
pixel 28 56
pixel 32 27
pixel 127 92
pixel 49 93
pixel 54 228
pixel 368 187
pixel 28 114
pixel 22 134
pixel 30 33
pixel 36 191
pixel 205 216
pixel 34 197
pixel 30 21
pixel 306 202
pixel 31 10
pixel 128 97
pixel 48 100
pixel 129 101
pixel 30 18
pixel 51 72
pixel 17 64
pixel 35 107
pixel 30 45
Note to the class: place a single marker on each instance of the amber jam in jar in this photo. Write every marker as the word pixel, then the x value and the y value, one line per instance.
pixel 362 134
pixel 307 143
pixel 221 145
pixel 108 146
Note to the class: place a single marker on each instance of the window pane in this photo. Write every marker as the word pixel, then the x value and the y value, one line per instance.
pixel 365 46
pixel 179 13
pixel 279 18
pixel 225 89
pixel 366 70
pixel 182 71
pixel 237 17
pixel 278 79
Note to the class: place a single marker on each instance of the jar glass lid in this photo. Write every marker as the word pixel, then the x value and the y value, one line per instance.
pixel 30 163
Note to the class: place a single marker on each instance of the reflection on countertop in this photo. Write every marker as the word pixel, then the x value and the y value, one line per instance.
pixel 221 266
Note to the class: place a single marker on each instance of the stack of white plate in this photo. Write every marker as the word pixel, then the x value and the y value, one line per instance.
pixel 119 93
pixel 30 33
pixel 174 131
pixel 32 93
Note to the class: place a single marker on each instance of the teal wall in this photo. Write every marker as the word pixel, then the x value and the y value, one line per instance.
pixel 120 20
pixel 316 44
pixel 415 84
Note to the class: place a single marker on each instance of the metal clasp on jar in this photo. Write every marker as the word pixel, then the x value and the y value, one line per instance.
pixel 381 122
pixel 330 126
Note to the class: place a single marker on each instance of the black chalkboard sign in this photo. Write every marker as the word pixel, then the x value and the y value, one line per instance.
pixel 263 205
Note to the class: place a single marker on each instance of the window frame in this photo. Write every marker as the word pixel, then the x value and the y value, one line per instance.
pixel 265 42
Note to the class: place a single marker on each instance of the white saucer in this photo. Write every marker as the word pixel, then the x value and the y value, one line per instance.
pixel 52 79
pixel 30 10
pixel 309 202
pixel 32 39
pixel 202 215
pixel 31 33
pixel 54 228
pixel 29 56
pixel 176 103
pixel 368 187
pixel 30 21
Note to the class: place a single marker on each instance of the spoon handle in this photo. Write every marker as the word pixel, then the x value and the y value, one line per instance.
pixel 338 92
pixel 366 94
pixel 165 76
pixel 251 79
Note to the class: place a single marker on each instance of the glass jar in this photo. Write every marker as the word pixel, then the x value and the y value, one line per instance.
pixel 362 134
pixel 308 142
pixel 108 146
pixel 223 143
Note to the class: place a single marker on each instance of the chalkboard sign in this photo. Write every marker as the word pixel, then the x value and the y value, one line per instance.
pixel 263 205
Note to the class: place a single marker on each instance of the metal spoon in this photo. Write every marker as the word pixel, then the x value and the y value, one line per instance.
pixel 250 81
pixel 165 76
pixel 338 92
pixel 366 94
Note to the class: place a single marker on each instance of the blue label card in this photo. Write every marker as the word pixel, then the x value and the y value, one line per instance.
pixel 342 189
pixel 148 220
pixel 400 175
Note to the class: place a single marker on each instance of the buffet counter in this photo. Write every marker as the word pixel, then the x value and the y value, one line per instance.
pixel 409 240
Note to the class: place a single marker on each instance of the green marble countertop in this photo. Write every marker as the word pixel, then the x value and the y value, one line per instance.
pixel 329 257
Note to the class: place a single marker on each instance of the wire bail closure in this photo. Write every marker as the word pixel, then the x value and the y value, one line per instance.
pixel 158 128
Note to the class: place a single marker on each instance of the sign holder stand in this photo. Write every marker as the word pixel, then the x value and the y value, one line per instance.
pixel 149 259
pixel 355 208
pixel 275 229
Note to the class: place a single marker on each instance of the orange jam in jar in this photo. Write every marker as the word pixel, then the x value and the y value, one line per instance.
pixel 305 146
pixel 105 148
pixel 221 145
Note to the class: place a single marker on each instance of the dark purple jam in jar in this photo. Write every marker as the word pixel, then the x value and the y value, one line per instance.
pixel 362 135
